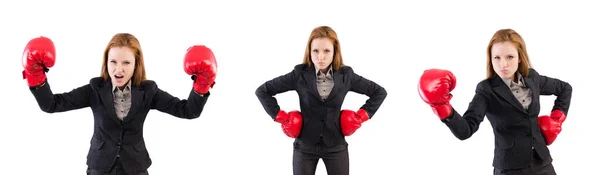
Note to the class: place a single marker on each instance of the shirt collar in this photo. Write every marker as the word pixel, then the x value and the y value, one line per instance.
pixel 510 82
pixel 128 86
pixel 329 72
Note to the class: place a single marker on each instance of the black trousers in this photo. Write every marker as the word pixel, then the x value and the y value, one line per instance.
pixel 117 169
pixel 536 167
pixel 306 157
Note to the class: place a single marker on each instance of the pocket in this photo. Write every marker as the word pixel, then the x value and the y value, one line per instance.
pixel 505 143
pixel 96 144
pixel 140 146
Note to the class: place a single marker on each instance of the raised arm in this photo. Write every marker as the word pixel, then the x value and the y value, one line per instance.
pixel 189 108
pixel 39 55
pixel 201 64
pixel 75 99
pixel 463 127
pixel 435 86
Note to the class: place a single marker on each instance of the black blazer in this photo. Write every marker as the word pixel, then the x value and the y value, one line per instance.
pixel 112 137
pixel 320 116
pixel 516 130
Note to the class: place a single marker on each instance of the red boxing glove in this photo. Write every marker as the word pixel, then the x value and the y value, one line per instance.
pixel 38 56
pixel 291 123
pixel 350 121
pixel 434 88
pixel 551 125
pixel 200 63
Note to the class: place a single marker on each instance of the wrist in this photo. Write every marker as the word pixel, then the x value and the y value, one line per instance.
pixel 34 80
pixel 558 115
pixel 362 115
pixel 281 117
pixel 201 88
pixel 443 111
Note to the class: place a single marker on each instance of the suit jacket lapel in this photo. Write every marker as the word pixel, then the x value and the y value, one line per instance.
pixel 503 91
pixel 311 80
pixel 534 90
pixel 337 85
pixel 106 95
pixel 136 99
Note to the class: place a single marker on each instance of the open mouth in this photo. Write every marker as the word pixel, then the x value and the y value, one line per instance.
pixel 119 77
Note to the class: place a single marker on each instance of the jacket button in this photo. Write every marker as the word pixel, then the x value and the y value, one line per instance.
pixel 119 143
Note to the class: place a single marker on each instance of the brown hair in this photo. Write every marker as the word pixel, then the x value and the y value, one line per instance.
pixel 509 35
pixel 325 32
pixel 130 41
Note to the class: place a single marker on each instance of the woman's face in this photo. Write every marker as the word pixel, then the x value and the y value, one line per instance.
pixel 321 53
pixel 505 59
pixel 121 64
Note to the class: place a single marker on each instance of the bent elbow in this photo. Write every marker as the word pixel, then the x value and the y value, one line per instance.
pixel 462 136
pixel 383 93
pixel 259 92
pixel 262 92
pixel 191 116
pixel 568 88
pixel 47 109
pixel 192 113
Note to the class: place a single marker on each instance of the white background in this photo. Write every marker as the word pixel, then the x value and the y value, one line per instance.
pixel 390 44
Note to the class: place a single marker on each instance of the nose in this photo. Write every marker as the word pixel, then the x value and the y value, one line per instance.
pixel 503 63
pixel 119 68
pixel 321 57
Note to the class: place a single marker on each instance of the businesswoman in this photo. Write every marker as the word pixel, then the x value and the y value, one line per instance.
pixel 120 99
pixel 320 126
pixel 510 98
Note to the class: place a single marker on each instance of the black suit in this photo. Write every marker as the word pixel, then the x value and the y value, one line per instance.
pixel 320 117
pixel 113 138
pixel 516 130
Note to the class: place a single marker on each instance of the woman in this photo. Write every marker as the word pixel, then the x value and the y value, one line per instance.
pixel 322 82
pixel 509 97
pixel 120 99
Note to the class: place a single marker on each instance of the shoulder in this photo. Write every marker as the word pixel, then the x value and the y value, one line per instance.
pixel 300 67
pixel 483 86
pixel 298 70
pixel 149 87
pixel 532 73
pixel 148 84
pixel 97 82
pixel 346 70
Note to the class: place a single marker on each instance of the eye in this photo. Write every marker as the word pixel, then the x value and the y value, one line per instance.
pixel 510 57
pixel 315 50
pixel 327 50
pixel 127 62
pixel 496 57
pixel 113 61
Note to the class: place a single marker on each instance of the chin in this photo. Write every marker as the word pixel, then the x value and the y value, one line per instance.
pixel 504 76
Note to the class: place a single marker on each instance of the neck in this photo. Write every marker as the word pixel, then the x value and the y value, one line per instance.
pixel 325 70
